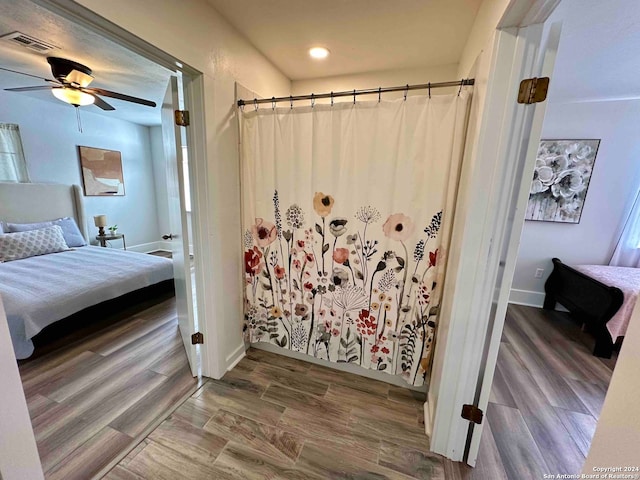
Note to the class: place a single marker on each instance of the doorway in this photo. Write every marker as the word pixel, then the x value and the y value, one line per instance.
pixel 106 382
pixel 596 112
pixel 573 116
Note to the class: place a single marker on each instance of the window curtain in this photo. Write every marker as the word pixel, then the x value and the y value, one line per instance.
pixel 347 213
pixel 13 167
pixel 627 252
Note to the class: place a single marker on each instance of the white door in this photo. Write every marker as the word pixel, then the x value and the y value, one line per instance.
pixel 179 234
pixel 522 150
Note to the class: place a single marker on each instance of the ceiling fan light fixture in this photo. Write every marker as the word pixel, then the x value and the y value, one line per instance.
pixel 79 78
pixel 73 96
pixel 319 52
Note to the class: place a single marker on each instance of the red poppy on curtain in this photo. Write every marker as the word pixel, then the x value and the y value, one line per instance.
pixel 347 212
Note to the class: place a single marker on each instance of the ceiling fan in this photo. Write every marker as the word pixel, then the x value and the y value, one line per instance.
pixel 71 85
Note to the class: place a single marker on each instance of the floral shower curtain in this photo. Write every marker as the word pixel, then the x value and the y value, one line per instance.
pixel 347 212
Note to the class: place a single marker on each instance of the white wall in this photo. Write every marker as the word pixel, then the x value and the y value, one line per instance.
pixel 489 15
pixel 192 31
pixel 50 139
pixel 614 183
pixel 386 78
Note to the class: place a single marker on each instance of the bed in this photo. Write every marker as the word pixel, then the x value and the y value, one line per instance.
pixel 602 297
pixel 41 290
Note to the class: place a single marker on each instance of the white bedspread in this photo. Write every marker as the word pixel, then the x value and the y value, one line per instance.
pixel 39 291
pixel 626 279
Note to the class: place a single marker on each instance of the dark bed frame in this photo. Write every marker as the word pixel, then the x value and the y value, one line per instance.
pixel 590 301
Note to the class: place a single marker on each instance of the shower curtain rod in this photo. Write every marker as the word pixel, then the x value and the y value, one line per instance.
pixel 354 93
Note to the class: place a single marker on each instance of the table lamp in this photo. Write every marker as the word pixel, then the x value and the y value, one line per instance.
pixel 100 221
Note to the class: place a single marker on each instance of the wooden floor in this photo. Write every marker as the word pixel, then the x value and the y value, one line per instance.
pixel 546 398
pixel 95 397
pixel 275 417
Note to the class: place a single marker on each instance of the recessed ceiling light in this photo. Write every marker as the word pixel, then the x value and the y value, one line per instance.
pixel 319 52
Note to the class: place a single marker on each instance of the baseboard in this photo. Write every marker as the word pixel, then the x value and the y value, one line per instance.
pixel 343 367
pixel 150 247
pixel 238 354
pixel 526 297
pixel 164 246
pixel 530 299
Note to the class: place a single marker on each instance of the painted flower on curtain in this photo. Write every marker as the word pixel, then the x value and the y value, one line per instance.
pixel 323 285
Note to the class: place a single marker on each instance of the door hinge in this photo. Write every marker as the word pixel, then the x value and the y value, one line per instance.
pixel 472 413
pixel 533 90
pixel 197 338
pixel 182 118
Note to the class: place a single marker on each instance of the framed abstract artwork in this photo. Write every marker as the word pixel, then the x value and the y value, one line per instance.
pixel 561 179
pixel 101 172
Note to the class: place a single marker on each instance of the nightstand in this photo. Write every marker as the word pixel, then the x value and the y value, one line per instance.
pixel 103 239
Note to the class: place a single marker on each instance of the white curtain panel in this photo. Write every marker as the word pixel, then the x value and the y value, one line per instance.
pixel 627 252
pixel 347 212
pixel 13 167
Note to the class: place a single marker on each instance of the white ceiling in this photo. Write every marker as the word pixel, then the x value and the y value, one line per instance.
pixel 114 67
pixel 362 35
pixel 598 56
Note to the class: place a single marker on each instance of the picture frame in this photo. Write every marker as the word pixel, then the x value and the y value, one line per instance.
pixel 561 180
pixel 101 172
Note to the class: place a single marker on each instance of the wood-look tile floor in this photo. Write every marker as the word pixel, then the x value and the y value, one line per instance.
pixel 93 400
pixel 276 417
pixel 547 393
pixel 273 417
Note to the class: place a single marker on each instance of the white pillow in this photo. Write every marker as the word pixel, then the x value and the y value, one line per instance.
pixel 14 246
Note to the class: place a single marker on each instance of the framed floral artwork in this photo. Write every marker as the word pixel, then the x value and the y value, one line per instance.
pixel 101 172
pixel 560 180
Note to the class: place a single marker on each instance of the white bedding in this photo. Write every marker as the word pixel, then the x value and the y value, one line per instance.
pixel 626 279
pixel 39 291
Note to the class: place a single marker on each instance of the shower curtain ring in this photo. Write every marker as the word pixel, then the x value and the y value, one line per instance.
pixel 291 101
pixel 379 93
pixel 255 103
pixel 354 96
pixel 461 84
pixel 406 91
pixel 273 103
pixel 429 86
pixel 332 98
pixel 313 101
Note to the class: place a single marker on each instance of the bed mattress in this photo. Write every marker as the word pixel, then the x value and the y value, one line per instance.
pixel 39 291
pixel 626 279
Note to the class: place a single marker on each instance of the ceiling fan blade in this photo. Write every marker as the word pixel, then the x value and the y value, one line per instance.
pixel 28 89
pixel 101 103
pixel 28 75
pixel 119 96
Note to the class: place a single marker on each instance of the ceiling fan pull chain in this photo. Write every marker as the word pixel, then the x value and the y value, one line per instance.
pixel 78 117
